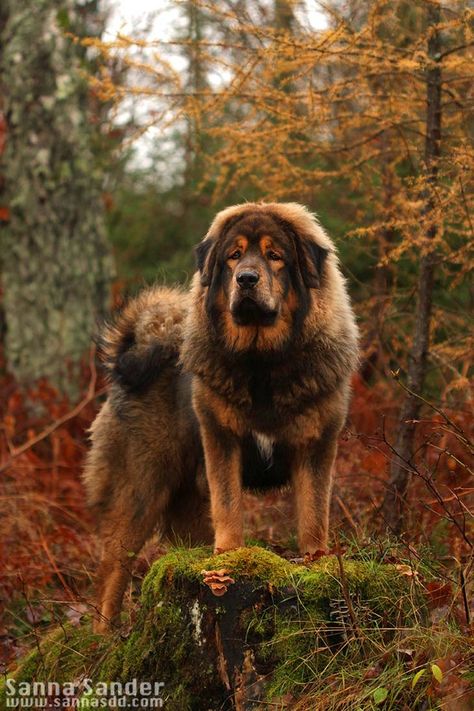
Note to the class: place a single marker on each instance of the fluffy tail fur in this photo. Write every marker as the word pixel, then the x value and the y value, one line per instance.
pixel 144 337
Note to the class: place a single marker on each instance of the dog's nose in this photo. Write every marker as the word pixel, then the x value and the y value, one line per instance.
pixel 247 278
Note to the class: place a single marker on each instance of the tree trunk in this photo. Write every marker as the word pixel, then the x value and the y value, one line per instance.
pixel 400 470
pixel 373 347
pixel 56 265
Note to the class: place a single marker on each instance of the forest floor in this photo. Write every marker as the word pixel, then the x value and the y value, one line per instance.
pixel 48 553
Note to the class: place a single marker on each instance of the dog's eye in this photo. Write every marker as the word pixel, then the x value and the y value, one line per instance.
pixel 274 256
pixel 235 255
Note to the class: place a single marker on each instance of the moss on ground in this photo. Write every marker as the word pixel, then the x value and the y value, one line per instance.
pixel 304 626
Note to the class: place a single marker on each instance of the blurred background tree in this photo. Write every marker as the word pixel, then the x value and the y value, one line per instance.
pixel 56 264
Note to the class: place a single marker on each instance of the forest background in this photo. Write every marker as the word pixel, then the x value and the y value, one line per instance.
pixel 368 120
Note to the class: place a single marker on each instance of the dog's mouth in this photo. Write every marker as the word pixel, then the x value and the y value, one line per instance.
pixel 248 312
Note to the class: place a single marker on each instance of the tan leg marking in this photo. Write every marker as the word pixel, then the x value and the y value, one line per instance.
pixel 122 538
pixel 312 485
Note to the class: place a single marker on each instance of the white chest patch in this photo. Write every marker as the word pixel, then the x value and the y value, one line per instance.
pixel 265 445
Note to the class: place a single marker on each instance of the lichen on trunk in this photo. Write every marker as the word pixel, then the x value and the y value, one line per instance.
pixel 55 261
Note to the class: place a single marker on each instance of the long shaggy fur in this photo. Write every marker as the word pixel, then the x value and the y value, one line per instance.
pixel 144 337
pixel 202 405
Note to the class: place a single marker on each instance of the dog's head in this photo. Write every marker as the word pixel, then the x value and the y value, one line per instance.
pixel 259 264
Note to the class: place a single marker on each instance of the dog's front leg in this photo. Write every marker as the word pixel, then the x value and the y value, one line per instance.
pixel 312 477
pixel 223 459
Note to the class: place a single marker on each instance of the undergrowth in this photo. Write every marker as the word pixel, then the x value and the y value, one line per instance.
pixel 48 557
pixel 349 631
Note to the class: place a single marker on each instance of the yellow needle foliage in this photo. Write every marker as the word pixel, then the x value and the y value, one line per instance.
pixel 288 111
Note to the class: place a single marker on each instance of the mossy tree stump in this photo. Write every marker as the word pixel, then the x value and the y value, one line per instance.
pixel 270 633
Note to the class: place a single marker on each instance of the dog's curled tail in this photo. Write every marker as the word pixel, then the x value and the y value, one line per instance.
pixel 143 338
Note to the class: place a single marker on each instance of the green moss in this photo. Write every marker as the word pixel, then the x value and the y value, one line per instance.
pixel 382 587
pixel 63 654
pixel 178 563
pixel 257 623
pixel 253 562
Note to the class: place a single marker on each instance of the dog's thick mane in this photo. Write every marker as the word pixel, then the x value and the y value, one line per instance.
pixel 305 224
pixel 328 339
pixel 162 326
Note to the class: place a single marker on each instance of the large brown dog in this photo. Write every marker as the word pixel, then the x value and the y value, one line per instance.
pixel 259 372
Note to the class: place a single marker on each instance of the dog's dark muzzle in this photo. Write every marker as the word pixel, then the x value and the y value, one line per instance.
pixel 248 312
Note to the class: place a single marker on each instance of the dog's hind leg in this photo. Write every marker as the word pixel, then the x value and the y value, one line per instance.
pixel 124 529
pixel 188 519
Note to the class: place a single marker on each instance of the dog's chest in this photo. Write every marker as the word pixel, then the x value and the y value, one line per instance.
pixel 261 388
pixel 267 397
pixel 266 463
pixel 265 445
pixel 273 400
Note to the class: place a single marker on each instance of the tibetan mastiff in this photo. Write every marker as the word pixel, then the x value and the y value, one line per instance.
pixel 241 382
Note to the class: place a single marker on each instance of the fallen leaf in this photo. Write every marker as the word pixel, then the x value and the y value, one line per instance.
pixel 372 672
pixel 417 677
pixel 439 593
pixel 380 694
pixel 312 557
pixel 406 570
pixel 437 673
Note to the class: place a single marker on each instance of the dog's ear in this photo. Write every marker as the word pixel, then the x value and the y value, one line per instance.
pixel 313 258
pixel 206 260
pixel 310 257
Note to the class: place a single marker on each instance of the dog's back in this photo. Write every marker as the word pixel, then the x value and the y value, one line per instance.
pixel 145 469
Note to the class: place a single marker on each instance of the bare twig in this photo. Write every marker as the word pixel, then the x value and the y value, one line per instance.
pixel 462 576
pixel 346 594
